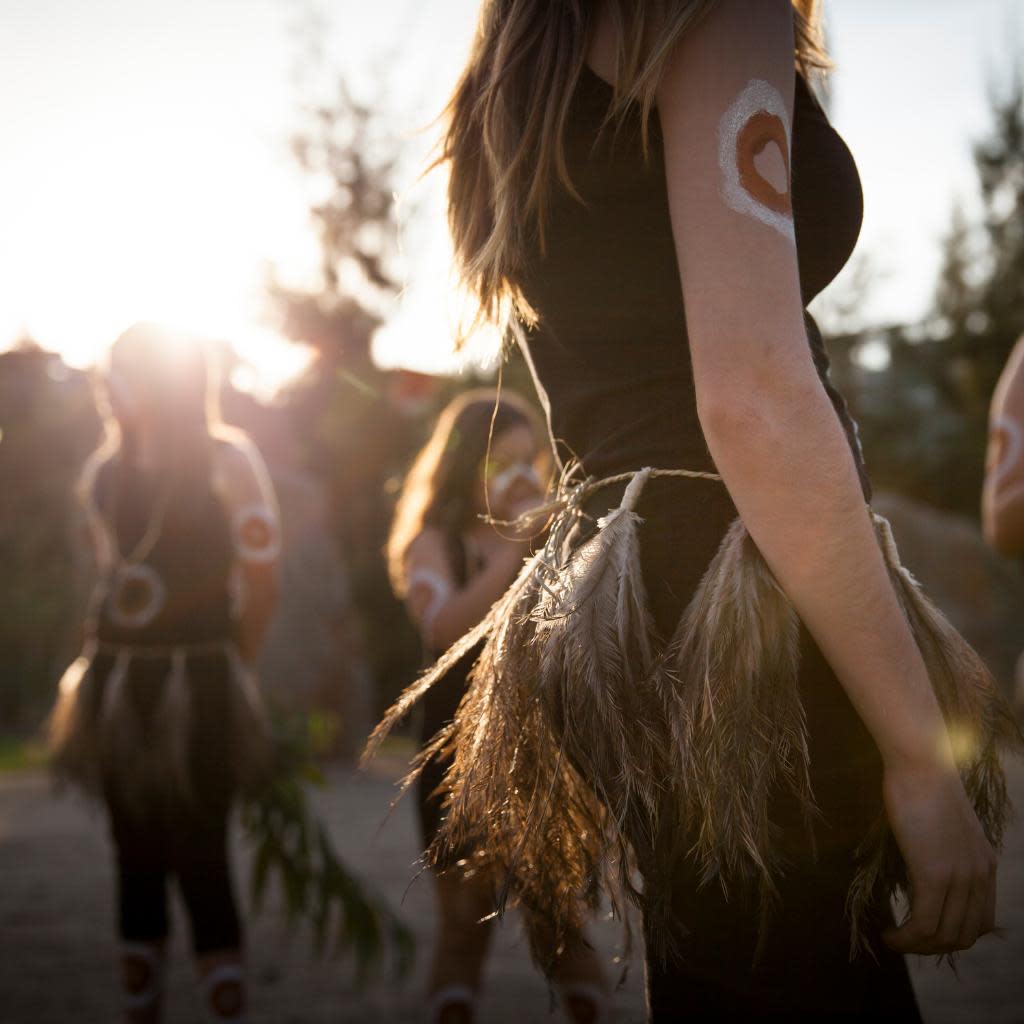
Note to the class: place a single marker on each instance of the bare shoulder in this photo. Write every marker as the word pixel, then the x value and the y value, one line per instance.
pixel 427 550
pixel 235 453
pixel 238 466
pixel 232 446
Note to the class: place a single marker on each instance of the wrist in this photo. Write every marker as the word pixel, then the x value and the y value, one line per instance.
pixel 926 752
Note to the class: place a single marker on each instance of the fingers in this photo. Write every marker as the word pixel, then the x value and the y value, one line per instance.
pixel 972 925
pixel 947 915
pixel 917 933
pixel 956 914
pixel 980 914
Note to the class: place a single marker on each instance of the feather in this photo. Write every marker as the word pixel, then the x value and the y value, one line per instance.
pixel 71 727
pixel 585 749
pixel 499 610
pixel 122 749
pixel 556 759
pixel 733 704
pixel 175 727
pixel 980 723
pixel 249 726
pixel 95 728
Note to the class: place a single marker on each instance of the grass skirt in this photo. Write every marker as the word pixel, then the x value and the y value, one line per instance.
pixel 584 748
pixel 97 735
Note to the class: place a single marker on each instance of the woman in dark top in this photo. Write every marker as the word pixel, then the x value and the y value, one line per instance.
pixel 450 565
pixel 160 715
pixel 710 673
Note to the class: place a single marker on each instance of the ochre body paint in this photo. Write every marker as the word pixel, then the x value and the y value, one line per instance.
pixel 753 153
pixel 1006 459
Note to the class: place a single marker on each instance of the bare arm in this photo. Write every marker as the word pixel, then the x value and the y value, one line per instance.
pixel 1002 500
pixel 725 106
pixel 443 611
pixel 256 537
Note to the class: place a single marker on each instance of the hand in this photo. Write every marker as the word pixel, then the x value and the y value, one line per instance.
pixel 951 865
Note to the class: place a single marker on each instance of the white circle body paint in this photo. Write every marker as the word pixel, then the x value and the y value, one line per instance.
pixel 257 533
pixel 1011 456
pixel 138 595
pixel 758 97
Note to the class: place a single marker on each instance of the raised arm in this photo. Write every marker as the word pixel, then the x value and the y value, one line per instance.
pixel 1002 500
pixel 248 495
pixel 725 106
pixel 442 610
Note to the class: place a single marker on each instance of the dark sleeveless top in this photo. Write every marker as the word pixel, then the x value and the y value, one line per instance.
pixel 191 558
pixel 610 357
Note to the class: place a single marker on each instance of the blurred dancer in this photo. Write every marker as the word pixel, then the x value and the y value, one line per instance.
pixel 160 715
pixel 450 565
pixel 1002 499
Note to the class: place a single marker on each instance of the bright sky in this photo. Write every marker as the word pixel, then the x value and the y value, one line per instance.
pixel 144 171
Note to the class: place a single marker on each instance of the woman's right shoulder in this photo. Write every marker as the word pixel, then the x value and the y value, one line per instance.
pixel 429 548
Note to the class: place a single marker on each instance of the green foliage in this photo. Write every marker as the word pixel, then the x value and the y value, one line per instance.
pixel 293 845
pixel 999 158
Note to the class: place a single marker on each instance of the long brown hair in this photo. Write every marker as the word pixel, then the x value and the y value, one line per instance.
pixel 441 486
pixel 507 118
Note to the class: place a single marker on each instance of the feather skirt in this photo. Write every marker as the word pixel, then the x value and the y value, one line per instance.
pixel 584 751
pixel 97 736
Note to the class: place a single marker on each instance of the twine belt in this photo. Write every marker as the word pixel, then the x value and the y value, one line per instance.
pixel 161 650
pixel 571 496
pixel 695 474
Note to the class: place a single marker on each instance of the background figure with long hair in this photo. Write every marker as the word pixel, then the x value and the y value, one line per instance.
pixel 717 670
pixel 450 565
pixel 160 714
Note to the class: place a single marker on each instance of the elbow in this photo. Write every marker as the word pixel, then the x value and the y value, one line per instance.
pixel 726 420
pixel 1002 536
pixel 440 634
pixel 262 590
pixel 756 411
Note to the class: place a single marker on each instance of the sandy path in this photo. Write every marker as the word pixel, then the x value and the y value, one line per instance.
pixel 57 949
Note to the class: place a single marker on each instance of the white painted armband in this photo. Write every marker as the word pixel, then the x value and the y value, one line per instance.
pixel 1007 475
pixel 754 157
pixel 256 533
pixel 440 590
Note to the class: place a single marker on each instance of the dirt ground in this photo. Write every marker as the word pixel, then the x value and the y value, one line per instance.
pixel 57 954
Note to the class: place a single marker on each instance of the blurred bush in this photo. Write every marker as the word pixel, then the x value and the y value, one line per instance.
pixel 48 425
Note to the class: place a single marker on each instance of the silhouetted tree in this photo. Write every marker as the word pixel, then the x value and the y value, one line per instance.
pixel 923 416
pixel 999 158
